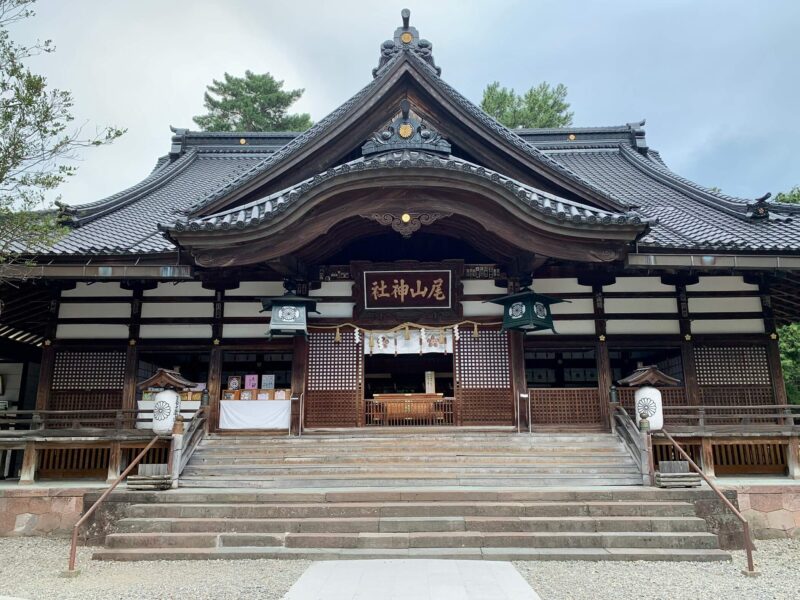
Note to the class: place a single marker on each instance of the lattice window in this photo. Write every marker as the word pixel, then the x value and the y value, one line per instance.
pixel 89 371
pixel 483 361
pixel 333 387
pixel 565 406
pixel 738 365
pixel 333 365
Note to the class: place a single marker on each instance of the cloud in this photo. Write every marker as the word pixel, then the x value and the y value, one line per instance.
pixel 715 79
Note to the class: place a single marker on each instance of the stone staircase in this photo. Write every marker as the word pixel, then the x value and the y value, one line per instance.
pixel 469 495
pixel 411 460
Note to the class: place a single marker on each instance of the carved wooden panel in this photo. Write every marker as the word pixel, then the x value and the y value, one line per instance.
pixel 732 365
pixel 333 384
pixel 89 370
pixel 565 406
pixel 483 378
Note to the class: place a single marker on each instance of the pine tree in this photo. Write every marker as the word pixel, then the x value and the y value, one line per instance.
pixel 540 106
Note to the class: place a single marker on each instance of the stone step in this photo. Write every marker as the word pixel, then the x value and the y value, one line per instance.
pixel 392 470
pixel 407 524
pixel 421 458
pixel 442 508
pixel 290 444
pixel 433 480
pixel 582 554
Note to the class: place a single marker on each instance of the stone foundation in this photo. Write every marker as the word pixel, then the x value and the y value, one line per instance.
pixel 40 511
pixel 772 510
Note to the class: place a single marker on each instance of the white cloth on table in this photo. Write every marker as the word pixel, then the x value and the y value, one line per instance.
pixel 255 414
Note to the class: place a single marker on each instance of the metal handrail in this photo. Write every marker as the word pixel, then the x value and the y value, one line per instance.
pixel 74 545
pixel 748 542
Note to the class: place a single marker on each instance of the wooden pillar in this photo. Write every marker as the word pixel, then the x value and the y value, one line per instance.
pixel 132 354
pixel 45 376
pixel 519 385
pixel 707 457
pixel 29 459
pixel 603 362
pixel 214 387
pixel 793 457
pixel 114 462
pixel 690 386
pixel 773 350
pixel 299 369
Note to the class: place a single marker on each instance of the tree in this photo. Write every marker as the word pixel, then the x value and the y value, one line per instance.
pixel 37 142
pixel 789 343
pixel 540 106
pixel 251 103
pixel 792 196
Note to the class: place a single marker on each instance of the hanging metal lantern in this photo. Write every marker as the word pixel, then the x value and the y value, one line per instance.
pixel 289 314
pixel 527 311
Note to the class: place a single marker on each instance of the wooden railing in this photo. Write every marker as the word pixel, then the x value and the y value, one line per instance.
pixel 748 541
pixel 74 544
pixel 31 420
pixel 733 419
pixel 409 412
pixel 637 443
pixel 189 440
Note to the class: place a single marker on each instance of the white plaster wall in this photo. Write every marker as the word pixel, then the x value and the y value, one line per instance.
pixel 641 326
pixel 257 288
pixel 113 310
pixel 68 331
pixel 187 288
pixel 477 308
pixel 728 326
pixel 701 305
pixel 721 283
pixel 570 328
pixel 254 330
pixel 334 310
pixel 244 309
pixel 334 288
pixel 559 285
pixel 578 306
pixel 175 331
pixel 12 382
pixel 638 284
pixel 177 309
pixel 641 305
pixel 84 290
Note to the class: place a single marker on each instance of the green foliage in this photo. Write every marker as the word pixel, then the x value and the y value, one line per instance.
pixel 789 343
pixel 255 102
pixel 37 141
pixel 792 196
pixel 540 106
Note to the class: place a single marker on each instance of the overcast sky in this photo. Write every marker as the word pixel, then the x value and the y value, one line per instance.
pixel 717 80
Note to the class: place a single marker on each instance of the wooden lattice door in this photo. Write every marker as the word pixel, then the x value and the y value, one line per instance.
pixel 483 379
pixel 334 380
pixel 87 380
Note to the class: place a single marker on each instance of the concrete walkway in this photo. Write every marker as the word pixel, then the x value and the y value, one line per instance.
pixel 411 580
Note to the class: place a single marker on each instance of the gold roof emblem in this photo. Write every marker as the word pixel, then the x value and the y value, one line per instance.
pixel 406 37
pixel 405 131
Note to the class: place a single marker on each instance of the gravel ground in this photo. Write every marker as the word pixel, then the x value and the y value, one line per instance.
pixel 30 568
pixel 777 560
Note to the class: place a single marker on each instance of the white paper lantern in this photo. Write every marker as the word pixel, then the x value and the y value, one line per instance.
pixel 647 400
pixel 165 407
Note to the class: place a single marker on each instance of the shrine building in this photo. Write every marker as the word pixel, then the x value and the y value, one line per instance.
pixel 410 263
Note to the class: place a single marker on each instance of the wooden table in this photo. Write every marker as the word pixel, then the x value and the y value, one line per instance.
pixel 396 407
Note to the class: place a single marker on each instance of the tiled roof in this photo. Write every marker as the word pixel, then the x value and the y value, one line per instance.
pixel 265 209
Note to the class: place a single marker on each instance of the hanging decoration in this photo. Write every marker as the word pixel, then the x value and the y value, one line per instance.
pixel 288 314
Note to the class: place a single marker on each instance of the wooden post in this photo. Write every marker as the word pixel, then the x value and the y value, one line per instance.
pixel 114 462
pixel 707 457
pixel 516 342
pixel 690 386
pixel 214 387
pixel 773 350
pixel 604 378
pixel 45 377
pixel 299 369
pixel 29 458
pixel 129 385
pixel 793 457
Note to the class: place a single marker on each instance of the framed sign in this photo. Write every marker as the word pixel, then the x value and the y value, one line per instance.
pixel 388 293
pixel 399 290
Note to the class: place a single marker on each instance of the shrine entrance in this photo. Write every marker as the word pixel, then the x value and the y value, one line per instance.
pixel 409 390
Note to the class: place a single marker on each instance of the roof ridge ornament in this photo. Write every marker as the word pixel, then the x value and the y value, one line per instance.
pixel 407 131
pixel 406 39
